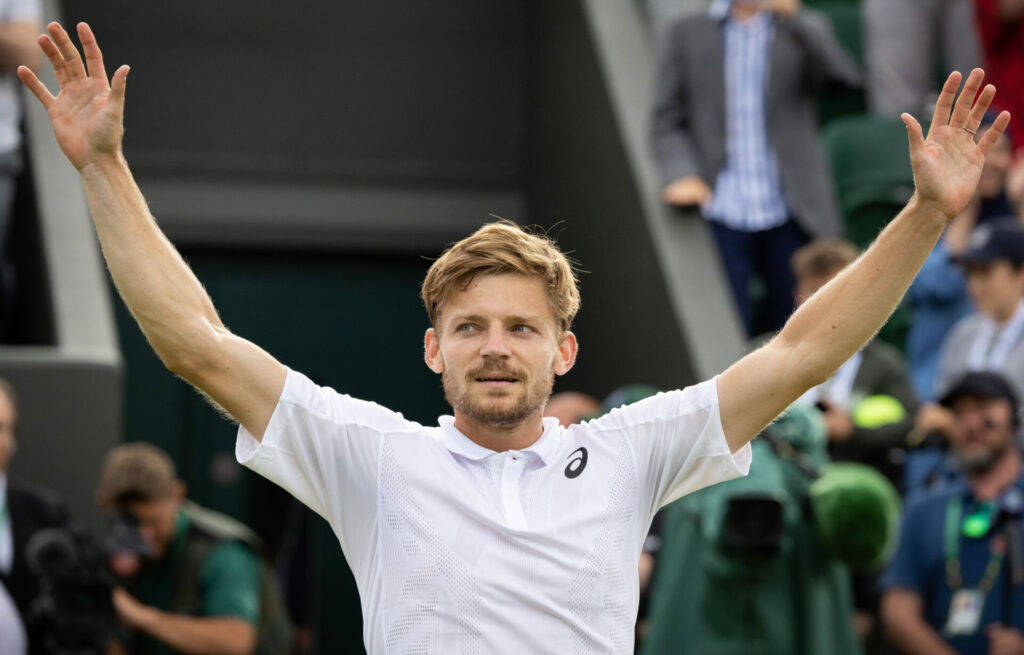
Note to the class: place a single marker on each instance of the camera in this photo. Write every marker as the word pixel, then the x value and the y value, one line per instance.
pixel 73 612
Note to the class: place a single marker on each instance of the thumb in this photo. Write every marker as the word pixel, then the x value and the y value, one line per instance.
pixel 914 133
pixel 118 82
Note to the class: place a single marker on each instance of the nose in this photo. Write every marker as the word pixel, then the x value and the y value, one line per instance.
pixel 496 344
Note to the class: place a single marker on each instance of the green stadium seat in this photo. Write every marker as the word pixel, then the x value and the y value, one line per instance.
pixel 846 21
pixel 874 180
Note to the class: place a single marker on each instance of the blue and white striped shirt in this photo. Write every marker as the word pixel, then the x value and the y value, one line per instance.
pixel 747 195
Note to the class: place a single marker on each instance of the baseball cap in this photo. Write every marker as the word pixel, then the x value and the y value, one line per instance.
pixel 993 241
pixel 981 384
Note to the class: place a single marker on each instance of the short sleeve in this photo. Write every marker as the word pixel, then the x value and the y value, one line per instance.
pixel 323 447
pixel 11 10
pixel 230 580
pixel 678 442
pixel 906 570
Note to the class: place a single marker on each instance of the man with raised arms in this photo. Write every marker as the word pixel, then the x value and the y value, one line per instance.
pixel 496 531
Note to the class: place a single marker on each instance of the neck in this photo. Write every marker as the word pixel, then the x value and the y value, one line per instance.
pixel 1003 315
pixel 501 438
pixel 988 485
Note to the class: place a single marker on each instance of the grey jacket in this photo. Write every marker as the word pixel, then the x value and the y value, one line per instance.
pixel 688 122
pixel 957 348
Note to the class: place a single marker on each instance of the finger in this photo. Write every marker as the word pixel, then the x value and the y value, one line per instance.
pixel 93 56
pixel 944 105
pixel 980 107
pixel 60 69
pixel 966 99
pixel 914 133
pixel 38 89
pixel 73 61
pixel 118 84
pixel 993 133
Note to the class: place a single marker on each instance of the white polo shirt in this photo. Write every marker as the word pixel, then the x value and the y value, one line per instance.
pixel 459 549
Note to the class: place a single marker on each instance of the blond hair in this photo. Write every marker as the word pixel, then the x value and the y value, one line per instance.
pixel 135 472
pixel 823 257
pixel 503 247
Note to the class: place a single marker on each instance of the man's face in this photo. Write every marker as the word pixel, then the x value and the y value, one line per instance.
pixel 982 431
pixel 997 162
pixel 157 520
pixel 7 425
pixel 498 348
pixel 995 287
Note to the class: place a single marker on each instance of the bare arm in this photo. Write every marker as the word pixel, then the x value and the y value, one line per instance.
pixel 18 44
pixel 166 299
pixel 202 635
pixel 903 619
pixel 194 635
pixel 844 314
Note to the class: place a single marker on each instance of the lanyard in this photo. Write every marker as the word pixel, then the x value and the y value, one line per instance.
pixel 991 348
pixel 951 549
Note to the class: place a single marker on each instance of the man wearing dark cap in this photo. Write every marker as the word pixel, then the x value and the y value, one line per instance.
pixel 992 338
pixel 956 583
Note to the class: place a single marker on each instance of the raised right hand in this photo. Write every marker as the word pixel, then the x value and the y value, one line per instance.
pixel 88 111
pixel 686 192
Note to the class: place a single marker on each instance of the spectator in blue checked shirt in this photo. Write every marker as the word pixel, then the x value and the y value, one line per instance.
pixel 734 131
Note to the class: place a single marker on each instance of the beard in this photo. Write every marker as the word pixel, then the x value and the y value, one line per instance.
pixel 530 396
pixel 982 461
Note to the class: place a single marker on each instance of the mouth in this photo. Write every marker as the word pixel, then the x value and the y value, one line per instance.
pixel 496 381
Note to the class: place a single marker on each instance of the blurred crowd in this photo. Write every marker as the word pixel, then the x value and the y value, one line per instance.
pixel 745 130
pixel 165 575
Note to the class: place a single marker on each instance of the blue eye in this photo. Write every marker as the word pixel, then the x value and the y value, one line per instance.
pixel 465 327
pixel 522 328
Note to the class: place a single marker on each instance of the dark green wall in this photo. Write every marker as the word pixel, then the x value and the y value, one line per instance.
pixel 353 323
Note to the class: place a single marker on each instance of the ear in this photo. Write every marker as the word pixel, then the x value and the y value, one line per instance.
pixel 179 491
pixel 432 352
pixel 567 350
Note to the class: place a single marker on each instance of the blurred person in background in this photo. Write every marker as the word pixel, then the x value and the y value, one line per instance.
pixel 868 408
pixel 463 508
pixel 905 43
pixel 869 404
pixel 1001 24
pixel 939 292
pixel 19 26
pixel 25 508
pixel 739 138
pixel 992 338
pixel 571 407
pixel 201 586
pixel 956 583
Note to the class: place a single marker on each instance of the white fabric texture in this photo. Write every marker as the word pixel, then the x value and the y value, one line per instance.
pixel 12 632
pixel 6 534
pixel 459 549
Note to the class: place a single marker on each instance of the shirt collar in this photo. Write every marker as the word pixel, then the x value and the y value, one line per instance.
pixel 460 444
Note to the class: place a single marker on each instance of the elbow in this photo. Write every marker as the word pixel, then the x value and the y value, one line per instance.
pixel 195 353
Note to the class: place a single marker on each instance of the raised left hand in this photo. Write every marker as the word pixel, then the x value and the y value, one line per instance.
pixel 947 164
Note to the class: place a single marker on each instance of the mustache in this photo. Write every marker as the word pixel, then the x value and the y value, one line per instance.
pixel 495 372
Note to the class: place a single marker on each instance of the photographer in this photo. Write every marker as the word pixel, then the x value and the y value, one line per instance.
pixel 25 509
pixel 201 586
